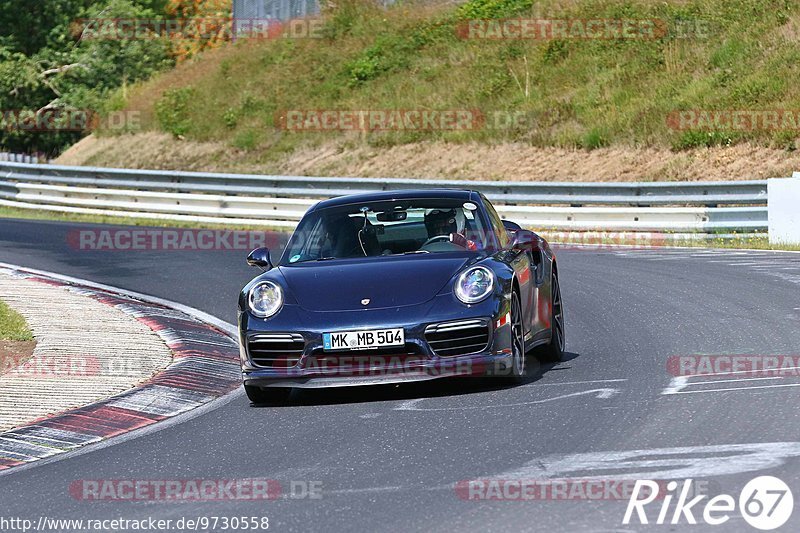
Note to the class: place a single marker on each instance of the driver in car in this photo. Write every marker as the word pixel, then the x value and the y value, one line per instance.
pixel 448 223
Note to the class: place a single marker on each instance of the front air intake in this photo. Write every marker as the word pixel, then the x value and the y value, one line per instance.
pixel 458 338
pixel 276 350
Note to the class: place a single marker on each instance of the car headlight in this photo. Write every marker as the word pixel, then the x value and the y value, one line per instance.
pixel 265 299
pixel 474 284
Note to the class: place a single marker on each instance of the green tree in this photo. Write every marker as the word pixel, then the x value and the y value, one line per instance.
pixel 48 63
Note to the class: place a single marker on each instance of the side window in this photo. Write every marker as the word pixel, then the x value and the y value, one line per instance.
pixel 497 225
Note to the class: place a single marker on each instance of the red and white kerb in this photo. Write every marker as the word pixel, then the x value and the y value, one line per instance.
pixel 503 320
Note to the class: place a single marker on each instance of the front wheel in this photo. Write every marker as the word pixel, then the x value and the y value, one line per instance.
pixel 269 396
pixel 553 352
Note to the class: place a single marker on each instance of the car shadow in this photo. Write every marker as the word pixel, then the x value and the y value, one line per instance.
pixel 435 388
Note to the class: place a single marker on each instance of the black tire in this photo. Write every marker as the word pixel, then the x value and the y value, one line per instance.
pixel 518 355
pixel 268 396
pixel 553 352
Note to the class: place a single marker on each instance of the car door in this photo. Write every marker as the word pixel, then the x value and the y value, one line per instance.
pixel 521 263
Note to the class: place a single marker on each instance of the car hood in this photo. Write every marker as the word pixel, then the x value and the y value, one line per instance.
pixel 341 285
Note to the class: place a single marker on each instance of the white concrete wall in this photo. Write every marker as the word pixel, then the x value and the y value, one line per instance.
pixel 783 201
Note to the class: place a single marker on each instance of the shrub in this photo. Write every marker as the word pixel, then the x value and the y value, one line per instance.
pixel 172 110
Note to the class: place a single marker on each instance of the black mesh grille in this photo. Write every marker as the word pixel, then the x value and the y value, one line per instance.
pixel 276 350
pixel 458 338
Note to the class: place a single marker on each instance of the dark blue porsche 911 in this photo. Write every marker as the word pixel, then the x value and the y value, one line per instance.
pixel 398 286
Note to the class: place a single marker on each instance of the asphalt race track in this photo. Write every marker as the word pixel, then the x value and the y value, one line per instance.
pixel 388 458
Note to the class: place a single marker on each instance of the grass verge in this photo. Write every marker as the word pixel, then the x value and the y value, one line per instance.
pixel 16 339
pixel 745 243
pixel 12 326
pixel 30 214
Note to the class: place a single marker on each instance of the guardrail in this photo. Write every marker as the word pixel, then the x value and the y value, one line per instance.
pixel 697 207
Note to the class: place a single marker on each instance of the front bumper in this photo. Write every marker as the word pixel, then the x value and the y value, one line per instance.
pixel 466 366
pixel 416 361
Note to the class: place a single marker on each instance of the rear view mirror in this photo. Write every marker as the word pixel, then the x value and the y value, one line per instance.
pixel 260 258
pixel 391 216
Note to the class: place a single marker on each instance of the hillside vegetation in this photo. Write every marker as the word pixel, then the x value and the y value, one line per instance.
pixel 574 93
pixel 591 109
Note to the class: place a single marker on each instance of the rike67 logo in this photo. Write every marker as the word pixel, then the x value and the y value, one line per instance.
pixel 765 503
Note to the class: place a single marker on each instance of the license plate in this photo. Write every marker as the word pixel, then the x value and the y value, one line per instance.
pixel 363 340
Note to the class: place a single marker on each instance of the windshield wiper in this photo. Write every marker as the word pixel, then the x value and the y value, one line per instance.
pixel 417 252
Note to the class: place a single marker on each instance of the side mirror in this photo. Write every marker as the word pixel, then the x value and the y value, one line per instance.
pixel 260 258
pixel 512 229
pixel 525 241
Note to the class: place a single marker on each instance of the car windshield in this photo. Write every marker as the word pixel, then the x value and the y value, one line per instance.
pixel 388 228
